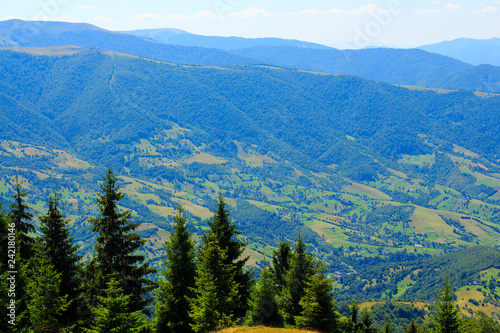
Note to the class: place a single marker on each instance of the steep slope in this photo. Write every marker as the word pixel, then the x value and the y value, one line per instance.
pixel 396 66
pixel 347 161
pixel 472 51
pixel 180 37
pixel 45 34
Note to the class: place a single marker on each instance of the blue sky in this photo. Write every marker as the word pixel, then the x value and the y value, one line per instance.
pixel 350 24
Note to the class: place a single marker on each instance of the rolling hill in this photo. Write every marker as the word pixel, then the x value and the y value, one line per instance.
pixel 396 66
pixel 180 37
pixel 18 33
pixel 471 51
pixel 364 170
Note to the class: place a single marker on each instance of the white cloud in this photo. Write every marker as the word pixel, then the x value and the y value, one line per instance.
pixel 368 9
pixel 148 16
pixel 249 13
pixel 85 7
pixel 488 10
pixel 317 12
pixel 206 14
pixel 452 7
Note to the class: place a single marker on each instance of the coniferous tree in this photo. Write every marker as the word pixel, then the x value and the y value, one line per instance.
pixel 281 264
pixel 446 318
pixel 263 306
pixel 44 301
pixel 21 218
pixel 299 274
pixel 366 324
pixel 59 247
pixel 112 314
pixel 4 299
pixel 216 297
pixel 352 325
pixel 22 221
pixel 387 325
pixel 115 249
pixel 172 305
pixel 318 305
pixel 224 231
pixel 412 327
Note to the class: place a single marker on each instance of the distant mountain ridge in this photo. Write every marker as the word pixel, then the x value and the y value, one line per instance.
pixel 471 51
pixel 46 34
pixel 395 66
pixel 180 37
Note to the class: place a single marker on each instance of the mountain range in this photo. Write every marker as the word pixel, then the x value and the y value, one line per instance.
pixel 471 51
pixel 368 171
pixel 396 66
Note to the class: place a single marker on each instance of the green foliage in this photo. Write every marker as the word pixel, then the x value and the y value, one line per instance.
pixel 62 252
pixel 263 304
pixel 44 301
pixel 318 305
pixel 112 313
pixel 216 297
pixel 22 220
pixel 281 264
pixel 115 249
pixel 446 318
pixel 462 267
pixel 302 269
pixel 352 325
pixel 224 232
pixel 412 327
pixel 19 215
pixel 174 292
pixel 483 324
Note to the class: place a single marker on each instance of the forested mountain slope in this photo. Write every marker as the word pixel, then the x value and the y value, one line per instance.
pixel 364 170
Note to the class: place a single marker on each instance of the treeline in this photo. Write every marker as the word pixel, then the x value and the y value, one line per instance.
pixel 47 287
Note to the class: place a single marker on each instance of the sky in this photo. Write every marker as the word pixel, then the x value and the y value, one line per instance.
pixel 343 24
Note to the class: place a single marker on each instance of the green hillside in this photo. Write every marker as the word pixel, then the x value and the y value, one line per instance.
pixel 366 171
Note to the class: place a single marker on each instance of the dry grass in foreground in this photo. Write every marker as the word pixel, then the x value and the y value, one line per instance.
pixel 262 329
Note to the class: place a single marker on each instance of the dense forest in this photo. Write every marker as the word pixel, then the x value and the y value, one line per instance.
pixel 202 286
pixel 247 194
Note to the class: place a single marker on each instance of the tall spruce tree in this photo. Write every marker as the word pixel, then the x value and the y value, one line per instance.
pixel 446 318
pixel 112 313
pixel 115 250
pixel 172 304
pixel 281 264
pixel 23 223
pixel 59 247
pixel 299 274
pixel 318 305
pixel 225 233
pixel 44 301
pixel 353 325
pixel 412 327
pixel 263 306
pixel 367 324
pixel 24 228
pixel 216 297
pixel 4 222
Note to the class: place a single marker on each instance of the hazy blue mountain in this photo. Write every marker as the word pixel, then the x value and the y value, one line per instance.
pixel 291 150
pixel 472 51
pixel 44 34
pixel 180 37
pixel 396 66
